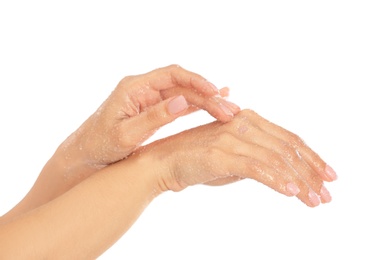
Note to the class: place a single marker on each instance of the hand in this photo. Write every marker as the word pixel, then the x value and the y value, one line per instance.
pixel 138 107
pixel 246 147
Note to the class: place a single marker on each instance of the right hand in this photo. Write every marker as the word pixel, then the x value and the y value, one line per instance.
pixel 246 147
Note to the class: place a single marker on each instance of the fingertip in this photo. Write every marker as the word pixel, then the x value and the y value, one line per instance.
pixel 232 106
pixel 292 189
pixel 325 195
pixel 224 92
pixel 332 175
pixel 313 198
pixel 227 111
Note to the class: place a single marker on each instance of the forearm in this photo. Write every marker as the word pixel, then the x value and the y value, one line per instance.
pixel 65 169
pixel 83 222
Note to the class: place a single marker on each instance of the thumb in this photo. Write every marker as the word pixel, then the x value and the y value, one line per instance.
pixel 176 105
pixel 165 112
pixel 141 127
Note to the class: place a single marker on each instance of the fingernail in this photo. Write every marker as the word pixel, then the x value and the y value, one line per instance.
pixel 226 110
pixel 314 199
pixel 330 172
pixel 232 106
pixel 292 188
pixel 325 195
pixel 177 105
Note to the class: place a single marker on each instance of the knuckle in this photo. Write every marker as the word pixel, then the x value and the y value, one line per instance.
pixel 295 141
pixel 288 152
pixel 125 82
pixel 172 71
pixel 153 115
pixel 248 116
pixel 173 67
pixel 237 122
pixel 223 138
pixel 313 181
pixel 248 113
pixel 126 79
pixel 277 161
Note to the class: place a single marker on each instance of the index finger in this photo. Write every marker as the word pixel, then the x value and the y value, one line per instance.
pixel 310 156
pixel 174 75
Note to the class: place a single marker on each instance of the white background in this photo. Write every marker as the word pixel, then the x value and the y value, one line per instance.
pixel 305 65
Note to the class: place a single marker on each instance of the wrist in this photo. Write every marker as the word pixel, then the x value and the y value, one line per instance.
pixel 71 161
pixel 162 165
pixel 139 168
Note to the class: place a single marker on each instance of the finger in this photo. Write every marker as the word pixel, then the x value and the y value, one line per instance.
pixel 292 155
pixel 174 75
pixel 275 170
pixel 308 155
pixel 139 128
pixel 249 160
pixel 224 92
pixel 246 167
pixel 219 108
pixel 286 151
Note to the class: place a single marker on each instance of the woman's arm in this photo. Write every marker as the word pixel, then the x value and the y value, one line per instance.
pixel 137 107
pixel 248 147
pixel 85 221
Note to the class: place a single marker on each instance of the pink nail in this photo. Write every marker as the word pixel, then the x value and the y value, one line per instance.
pixel 177 105
pixel 232 106
pixel 226 110
pixel 330 172
pixel 314 199
pixel 325 195
pixel 292 188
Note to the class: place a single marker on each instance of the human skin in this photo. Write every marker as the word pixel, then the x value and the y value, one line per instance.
pixel 137 107
pixel 86 220
pixel 249 146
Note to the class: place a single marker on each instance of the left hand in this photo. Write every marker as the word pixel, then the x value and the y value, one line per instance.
pixel 137 107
